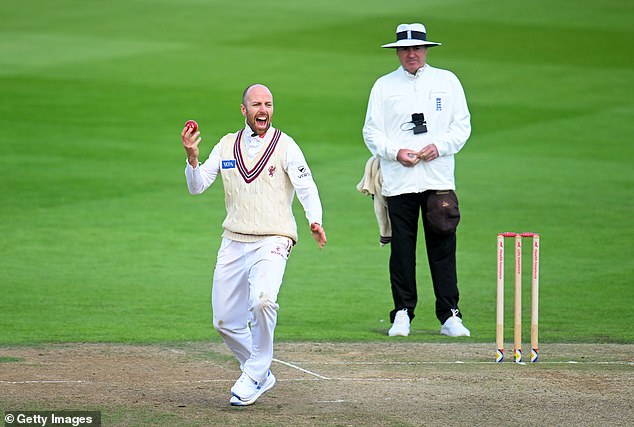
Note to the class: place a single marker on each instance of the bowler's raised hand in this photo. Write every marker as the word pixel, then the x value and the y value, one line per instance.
pixel 190 143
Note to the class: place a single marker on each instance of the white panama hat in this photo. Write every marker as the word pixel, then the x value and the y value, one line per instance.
pixel 411 35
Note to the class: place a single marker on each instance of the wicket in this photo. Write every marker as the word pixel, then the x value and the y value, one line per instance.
pixel 499 332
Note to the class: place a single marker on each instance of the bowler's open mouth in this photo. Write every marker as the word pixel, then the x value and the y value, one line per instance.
pixel 261 120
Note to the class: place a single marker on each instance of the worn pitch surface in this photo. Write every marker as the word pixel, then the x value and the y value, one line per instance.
pixel 396 383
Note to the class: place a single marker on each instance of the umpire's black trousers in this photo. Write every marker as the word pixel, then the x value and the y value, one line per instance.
pixel 405 211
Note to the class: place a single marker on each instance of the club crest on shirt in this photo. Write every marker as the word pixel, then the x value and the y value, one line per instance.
pixel 271 170
pixel 228 164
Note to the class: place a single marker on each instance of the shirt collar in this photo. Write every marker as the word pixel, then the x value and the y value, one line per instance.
pixel 419 72
pixel 248 133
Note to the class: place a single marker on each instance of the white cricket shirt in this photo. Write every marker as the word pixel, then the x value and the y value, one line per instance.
pixel 394 97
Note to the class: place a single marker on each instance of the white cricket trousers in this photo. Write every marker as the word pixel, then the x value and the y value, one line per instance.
pixel 247 279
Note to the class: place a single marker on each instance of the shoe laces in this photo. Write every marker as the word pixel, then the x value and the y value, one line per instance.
pixel 454 316
pixel 245 378
pixel 258 384
pixel 401 316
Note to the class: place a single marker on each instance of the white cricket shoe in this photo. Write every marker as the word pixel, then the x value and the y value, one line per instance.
pixel 246 391
pixel 453 327
pixel 400 328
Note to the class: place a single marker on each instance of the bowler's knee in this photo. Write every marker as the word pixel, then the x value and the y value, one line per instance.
pixel 263 303
pixel 219 326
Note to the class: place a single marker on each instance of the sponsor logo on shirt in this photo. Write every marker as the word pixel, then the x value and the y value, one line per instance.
pixel 228 164
pixel 303 172
pixel 438 104
pixel 283 252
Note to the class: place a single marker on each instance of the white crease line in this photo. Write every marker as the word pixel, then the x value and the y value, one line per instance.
pixel 46 382
pixel 300 369
pixel 461 362
pixel 415 379
pixel 339 378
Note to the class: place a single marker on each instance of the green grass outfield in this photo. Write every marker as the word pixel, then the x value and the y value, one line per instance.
pixel 100 240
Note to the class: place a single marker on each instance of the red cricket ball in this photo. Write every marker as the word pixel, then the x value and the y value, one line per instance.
pixel 192 125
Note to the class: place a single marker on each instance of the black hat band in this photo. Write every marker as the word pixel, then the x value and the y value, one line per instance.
pixel 409 35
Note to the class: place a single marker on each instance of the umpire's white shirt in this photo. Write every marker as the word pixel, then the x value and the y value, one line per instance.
pixel 437 94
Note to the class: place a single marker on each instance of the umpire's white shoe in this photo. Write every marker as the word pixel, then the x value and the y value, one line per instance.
pixel 453 327
pixel 400 327
pixel 246 391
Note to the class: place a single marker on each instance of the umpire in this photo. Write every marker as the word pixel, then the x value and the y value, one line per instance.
pixel 417 120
